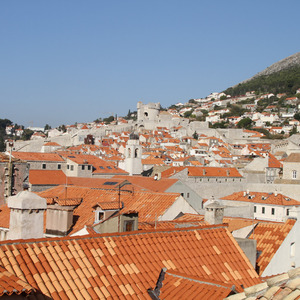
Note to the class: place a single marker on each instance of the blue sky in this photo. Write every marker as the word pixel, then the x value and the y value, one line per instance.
pixel 71 61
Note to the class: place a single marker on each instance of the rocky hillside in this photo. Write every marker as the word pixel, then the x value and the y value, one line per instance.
pixel 286 63
pixel 281 77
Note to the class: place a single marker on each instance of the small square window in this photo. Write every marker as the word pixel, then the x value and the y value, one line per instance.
pixel 255 208
pixel 43 166
pixel 100 215
pixel 287 212
pixel 273 211
pixel 59 167
pixel 128 225
pixel 68 167
pixel 89 167
pixel 72 167
pixel 82 167
pixel 262 210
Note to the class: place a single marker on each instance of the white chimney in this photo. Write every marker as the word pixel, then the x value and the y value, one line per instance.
pixel 26 216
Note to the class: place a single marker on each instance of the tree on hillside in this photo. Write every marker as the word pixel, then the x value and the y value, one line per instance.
pixel 188 113
pixel 2 144
pixel 245 123
pixel 108 120
pixel 297 116
pixel 27 133
pixel 47 127
pixel 62 128
pixel 3 124
pixel 293 131
pixel 285 81
pixel 195 135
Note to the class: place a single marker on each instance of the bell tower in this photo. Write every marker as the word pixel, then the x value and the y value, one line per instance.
pixel 133 155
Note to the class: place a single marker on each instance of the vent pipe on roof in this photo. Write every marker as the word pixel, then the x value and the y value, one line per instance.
pixel 154 294
pixel 275 193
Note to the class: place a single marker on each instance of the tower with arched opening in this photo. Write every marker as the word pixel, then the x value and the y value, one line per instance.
pixel 133 155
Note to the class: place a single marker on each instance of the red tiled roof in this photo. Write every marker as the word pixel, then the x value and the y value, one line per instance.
pixel 51 144
pixel 12 285
pixel 265 198
pixel 213 172
pixel 37 156
pixel 5 158
pixel 101 166
pixel 4 212
pixel 274 162
pixel 269 237
pixel 234 223
pixel 47 177
pixel 109 205
pixel 148 183
pixel 125 265
pixel 180 286
pixel 150 205
pixel 100 183
pixel 171 171
pixel 152 161
pixel 65 201
pixel 192 220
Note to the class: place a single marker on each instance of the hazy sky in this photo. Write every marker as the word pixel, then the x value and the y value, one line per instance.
pixel 71 61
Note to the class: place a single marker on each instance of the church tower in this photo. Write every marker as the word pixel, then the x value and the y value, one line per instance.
pixel 133 155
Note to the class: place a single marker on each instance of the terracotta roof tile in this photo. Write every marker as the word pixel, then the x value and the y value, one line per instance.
pixel 100 166
pixel 259 197
pixel 129 270
pixel 148 183
pixel 4 212
pixel 10 284
pixel 47 177
pixel 213 172
pixel 273 162
pixel 52 144
pixel 149 205
pixel 37 156
pixel 269 237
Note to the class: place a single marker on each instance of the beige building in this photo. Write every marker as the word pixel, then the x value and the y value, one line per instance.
pixel 291 169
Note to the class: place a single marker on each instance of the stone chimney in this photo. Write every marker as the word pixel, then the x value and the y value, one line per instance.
pixel 214 213
pixel 60 217
pixel 26 216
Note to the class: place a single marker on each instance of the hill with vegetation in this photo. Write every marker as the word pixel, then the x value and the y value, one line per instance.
pixel 281 77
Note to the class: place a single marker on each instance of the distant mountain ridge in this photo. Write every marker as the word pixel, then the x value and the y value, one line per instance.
pixel 281 77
